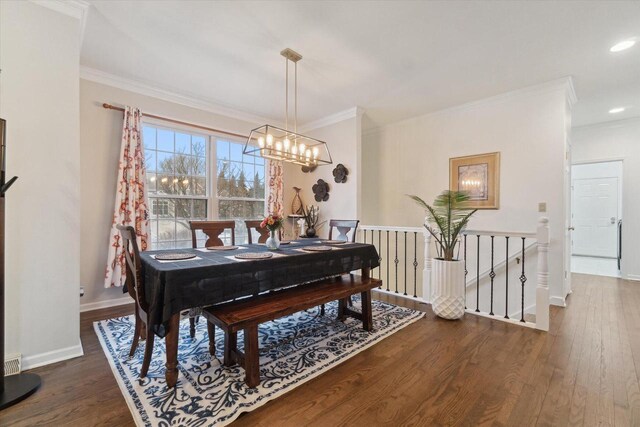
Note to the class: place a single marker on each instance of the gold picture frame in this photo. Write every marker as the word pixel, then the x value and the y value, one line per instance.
pixel 479 176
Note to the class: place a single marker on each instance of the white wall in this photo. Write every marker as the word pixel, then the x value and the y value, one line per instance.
pixel 527 127
pixel 618 140
pixel 39 57
pixel 343 140
pixel 100 134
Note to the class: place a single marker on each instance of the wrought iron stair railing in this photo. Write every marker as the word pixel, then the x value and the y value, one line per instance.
pixel 498 269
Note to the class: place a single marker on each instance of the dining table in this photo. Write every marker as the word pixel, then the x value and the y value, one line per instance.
pixel 216 275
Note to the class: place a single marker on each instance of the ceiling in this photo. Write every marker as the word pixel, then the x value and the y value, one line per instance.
pixel 394 59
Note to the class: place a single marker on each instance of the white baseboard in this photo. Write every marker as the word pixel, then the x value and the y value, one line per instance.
pixel 633 277
pixel 37 360
pixel 384 291
pixel 559 301
pixel 531 309
pixel 90 306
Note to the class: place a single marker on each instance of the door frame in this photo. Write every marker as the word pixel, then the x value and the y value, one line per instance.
pixel 620 189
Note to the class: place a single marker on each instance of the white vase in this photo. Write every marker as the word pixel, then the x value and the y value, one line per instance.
pixel 273 242
pixel 447 289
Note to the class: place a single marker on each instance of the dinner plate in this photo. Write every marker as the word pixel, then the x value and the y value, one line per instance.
pixel 174 256
pixel 317 248
pixel 254 255
pixel 222 248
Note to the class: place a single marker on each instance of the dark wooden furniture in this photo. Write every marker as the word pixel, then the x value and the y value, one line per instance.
pixel 212 229
pixel 135 287
pixel 254 224
pixel 247 314
pixel 344 226
pixel 214 277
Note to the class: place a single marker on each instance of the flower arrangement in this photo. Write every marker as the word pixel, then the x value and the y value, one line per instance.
pixel 272 222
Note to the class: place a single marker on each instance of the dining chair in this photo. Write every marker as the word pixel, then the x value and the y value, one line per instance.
pixel 254 224
pixel 212 229
pixel 344 227
pixel 135 287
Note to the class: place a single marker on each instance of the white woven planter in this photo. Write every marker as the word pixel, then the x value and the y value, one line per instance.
pixel 447 289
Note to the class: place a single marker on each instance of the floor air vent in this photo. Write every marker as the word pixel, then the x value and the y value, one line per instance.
pixel 12 364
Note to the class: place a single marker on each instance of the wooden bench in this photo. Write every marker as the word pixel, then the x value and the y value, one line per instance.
pixel 247 314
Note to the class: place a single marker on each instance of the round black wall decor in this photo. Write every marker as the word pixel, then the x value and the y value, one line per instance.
pixel 321 191
pixel 340 173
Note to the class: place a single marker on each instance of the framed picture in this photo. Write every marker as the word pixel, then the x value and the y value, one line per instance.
pixel 478 176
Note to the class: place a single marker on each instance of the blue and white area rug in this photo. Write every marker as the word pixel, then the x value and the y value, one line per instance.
pixel 293 350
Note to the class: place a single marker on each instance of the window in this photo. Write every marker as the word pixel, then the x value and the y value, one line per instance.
pixel 240 185
pixel 184 185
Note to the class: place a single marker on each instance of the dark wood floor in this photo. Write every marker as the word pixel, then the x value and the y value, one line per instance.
pixel 434 372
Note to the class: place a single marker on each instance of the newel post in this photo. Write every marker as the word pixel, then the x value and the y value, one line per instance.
pixel 542 289
pixel 426 273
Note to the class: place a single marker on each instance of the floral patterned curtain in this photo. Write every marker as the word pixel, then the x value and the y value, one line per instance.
pixel 131 206
pixel 275 188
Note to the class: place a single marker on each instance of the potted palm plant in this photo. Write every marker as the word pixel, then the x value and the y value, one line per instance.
pixel 446 220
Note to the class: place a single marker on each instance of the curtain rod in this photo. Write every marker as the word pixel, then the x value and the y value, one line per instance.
pixel 166 119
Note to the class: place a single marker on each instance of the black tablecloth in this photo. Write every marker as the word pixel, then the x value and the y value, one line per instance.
pixel 216 277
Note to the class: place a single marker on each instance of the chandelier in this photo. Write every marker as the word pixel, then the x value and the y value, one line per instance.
pixel 275 143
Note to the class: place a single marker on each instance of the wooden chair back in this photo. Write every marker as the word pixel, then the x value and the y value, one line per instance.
pixel 212 229
pixel 135 279
pixel 344 226
pixel 254 224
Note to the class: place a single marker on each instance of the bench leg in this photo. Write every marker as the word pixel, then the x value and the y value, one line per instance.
pixel 322 310
pixel 367 315
pixel 211 331
pixel 251 357
pixel 230 345
pixel 342 305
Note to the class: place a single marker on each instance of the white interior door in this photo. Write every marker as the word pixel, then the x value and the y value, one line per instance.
pixel 595 217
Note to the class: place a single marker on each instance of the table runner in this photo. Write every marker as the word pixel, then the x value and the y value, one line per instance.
pixel 214 278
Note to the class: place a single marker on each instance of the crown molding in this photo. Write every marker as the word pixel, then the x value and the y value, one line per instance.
pixel 94 75
pixel 563 83
pixel 333 118
pixel 608 124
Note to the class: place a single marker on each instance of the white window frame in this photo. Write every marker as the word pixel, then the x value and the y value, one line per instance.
pixel 214 160
pixel 211 167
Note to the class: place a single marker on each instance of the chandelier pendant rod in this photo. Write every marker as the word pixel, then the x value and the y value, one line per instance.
pixel 286 95
pixel 295 98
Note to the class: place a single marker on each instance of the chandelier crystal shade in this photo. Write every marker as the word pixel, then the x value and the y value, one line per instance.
pixel 275 143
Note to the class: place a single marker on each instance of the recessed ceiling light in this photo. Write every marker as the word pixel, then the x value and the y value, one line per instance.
pixel 623 45
pixel 616 110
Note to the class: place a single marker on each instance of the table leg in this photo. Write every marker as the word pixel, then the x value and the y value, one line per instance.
pixel 171 373
pixel 230 345
pixel 367 315
pixel 251 356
